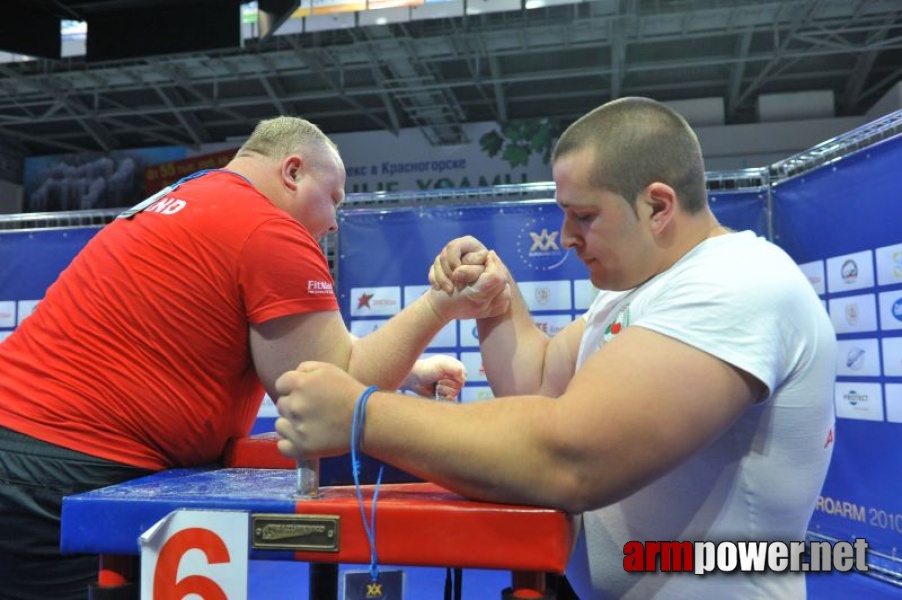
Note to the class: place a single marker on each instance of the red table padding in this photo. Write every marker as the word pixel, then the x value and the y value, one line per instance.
pixel 417 524
pixel 256 452
pixel 422 524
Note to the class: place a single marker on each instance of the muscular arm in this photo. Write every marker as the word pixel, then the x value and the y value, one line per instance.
pixel 383 358
pixel 638 408
pixel 519 358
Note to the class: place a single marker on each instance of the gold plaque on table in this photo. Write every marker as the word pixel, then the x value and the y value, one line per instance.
pixel 309 533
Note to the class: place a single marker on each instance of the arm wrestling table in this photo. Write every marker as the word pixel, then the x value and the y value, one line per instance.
pixel 420 524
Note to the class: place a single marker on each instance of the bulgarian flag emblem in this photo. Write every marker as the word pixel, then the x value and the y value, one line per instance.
pixel 620 322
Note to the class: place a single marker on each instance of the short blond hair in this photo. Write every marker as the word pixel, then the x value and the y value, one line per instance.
pixel 280 137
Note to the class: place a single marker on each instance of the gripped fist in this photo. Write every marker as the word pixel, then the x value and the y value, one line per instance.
pixel 440 375
pixel 316 407
pixel 459 264
pixel 469 281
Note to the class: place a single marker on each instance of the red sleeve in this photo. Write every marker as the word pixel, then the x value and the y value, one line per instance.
pixel 282 271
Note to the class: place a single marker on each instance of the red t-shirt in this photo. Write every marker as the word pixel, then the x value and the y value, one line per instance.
pixel 139 351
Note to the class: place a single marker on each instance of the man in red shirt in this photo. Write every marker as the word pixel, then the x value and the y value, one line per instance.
pixel 155 346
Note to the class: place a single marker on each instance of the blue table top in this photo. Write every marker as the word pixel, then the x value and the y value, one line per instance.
pixel 110 520
pixel 413 516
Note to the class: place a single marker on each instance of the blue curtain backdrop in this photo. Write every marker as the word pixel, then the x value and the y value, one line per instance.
pixel 384 257
pixel 843 223
pixel 396 247
pixel 31 260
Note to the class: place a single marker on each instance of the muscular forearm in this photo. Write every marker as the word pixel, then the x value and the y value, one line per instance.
pixel 384 357
pixel 502 451
pixel 513 350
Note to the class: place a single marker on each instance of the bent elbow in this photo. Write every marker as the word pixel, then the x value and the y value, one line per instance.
pixel 577 493
pixel 583 490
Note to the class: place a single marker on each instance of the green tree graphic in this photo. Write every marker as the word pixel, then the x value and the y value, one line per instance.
pixel 516 141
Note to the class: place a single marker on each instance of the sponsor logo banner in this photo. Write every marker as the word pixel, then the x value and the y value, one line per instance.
pixel 547 295
pixel 889 264
pixel 814 272
pixel 539 243
pixel 7 313
pixel 853 314
pixel 375 301
pixel 850 272
pixel 857 400
pixel 891 310
pixel 858 358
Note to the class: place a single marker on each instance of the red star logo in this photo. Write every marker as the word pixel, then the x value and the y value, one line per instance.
pixel 364 300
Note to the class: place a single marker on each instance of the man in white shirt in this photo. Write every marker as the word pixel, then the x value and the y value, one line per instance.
pixel 692 402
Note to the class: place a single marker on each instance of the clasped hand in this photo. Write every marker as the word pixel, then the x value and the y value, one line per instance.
pixel 475 282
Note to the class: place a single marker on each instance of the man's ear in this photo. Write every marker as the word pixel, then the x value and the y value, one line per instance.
pixel 661 203
pixel 292 170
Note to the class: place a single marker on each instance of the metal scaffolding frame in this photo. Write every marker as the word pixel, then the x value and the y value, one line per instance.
pixel 761 179
pixel 440 73
pixel 839 147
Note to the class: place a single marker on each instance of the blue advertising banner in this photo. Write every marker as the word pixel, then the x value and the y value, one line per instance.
pixel 384 257
pixel 742 210
pixel 29 262
pixel 841 223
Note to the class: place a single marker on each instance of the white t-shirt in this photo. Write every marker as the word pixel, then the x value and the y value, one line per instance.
pixel 743 300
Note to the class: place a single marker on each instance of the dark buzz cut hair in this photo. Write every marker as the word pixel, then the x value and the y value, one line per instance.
pixel 280 137
pixel 636 142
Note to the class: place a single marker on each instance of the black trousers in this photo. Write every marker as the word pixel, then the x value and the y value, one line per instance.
pixel 34 477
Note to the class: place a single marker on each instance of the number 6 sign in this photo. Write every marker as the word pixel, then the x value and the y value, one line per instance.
pixel 199 554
